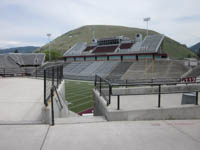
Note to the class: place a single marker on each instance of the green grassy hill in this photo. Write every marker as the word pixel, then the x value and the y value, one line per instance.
pixel 84 34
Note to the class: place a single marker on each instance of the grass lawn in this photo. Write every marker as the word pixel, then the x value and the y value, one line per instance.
pixel 79 95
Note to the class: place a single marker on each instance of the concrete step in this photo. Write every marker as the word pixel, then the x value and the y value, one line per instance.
pixel 21 122
pixel 79 120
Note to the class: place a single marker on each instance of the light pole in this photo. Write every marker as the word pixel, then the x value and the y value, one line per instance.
pixel 147 20
pixel 49 35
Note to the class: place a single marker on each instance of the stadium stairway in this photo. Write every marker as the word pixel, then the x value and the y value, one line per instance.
pixel 79 120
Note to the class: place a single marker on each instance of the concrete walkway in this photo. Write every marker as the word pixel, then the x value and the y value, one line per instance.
pixel 129 135
pixel 21 100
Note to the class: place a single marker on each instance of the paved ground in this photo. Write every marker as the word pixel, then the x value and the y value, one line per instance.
pixel 151 135
pixel 146 102
pixel 22 137
pixel 21 100
pixel 129 135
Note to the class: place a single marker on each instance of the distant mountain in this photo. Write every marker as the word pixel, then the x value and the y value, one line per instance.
pixel 26 49
pixel 85 34
pixel 196 48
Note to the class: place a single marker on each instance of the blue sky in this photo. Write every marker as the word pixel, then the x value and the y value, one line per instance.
pixel 26 22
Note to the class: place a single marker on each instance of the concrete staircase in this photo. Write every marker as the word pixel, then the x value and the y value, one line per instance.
pixel 79 120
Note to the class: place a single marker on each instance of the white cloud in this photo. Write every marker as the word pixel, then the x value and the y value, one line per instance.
pixel 59 16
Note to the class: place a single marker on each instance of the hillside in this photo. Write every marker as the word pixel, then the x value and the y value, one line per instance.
pixel 195 48
pixel 26 49
pixel 84 34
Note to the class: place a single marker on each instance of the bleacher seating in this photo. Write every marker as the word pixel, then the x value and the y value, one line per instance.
pixel 126 45
pixel 89 48
pixel 119 71
pixel 106 68
pixel 151 43
pixel 75 68
pixel 16 58
pixel 89 71
pixel 77 49
pixel 195 72
pixel 40 58
pixel 157 69
pixel 70 67
pixel 5 62
pixel 8 66
pixel 105 49
pixel 27 59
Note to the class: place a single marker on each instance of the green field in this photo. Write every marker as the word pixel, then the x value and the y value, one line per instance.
pixel 79 95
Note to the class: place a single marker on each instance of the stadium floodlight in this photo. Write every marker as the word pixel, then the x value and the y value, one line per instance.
pixel 49 35
pixel 147 20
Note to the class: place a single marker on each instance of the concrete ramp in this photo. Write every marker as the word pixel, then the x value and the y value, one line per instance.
pixel 21 101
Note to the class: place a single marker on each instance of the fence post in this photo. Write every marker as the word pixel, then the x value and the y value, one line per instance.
pixel 57 74
pixel 110 94
pixel 52 108
pixel 45 88
pixel 118 102
pixel 4 72
pixel 159 89
pixel 197 97
pixel 126 83
pixel 100 87
pixel 36 72
pixel 53 76
pixel 95 81
pixel 62 75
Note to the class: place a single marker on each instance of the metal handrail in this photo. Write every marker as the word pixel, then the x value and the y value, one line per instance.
pixel 54 74
pixel 111 85
pixel 54 90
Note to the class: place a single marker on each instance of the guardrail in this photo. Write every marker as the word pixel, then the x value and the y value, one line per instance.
pixel 104 87
pixel 11 72
pixel 107 89
pixel 54 91
pixel 53 76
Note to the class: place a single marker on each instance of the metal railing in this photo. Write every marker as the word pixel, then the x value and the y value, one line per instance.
pixel 106 88
pixel 12 72
pixel 20 71
pixel 53 76
pixel 53 92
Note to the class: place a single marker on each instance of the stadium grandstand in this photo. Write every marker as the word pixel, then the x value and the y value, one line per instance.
pixel 13 64
pixel 117 70
pixel 117 48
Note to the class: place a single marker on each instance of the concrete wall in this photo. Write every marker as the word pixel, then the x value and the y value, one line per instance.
pixel 179 112
pixel 58 112
pixel 181 88
pixel 100 108
pixel 183 112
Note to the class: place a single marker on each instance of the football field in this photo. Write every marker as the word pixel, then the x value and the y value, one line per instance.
pixel 79 95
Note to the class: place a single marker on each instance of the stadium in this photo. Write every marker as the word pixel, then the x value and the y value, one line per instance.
pixel 108 82
pixel 118 60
